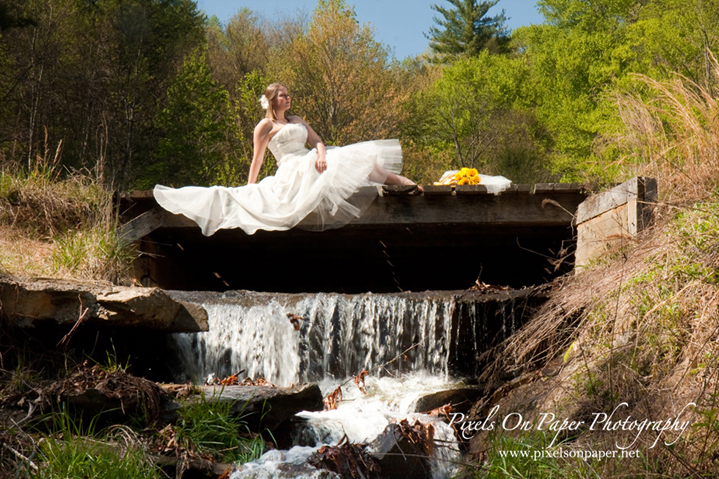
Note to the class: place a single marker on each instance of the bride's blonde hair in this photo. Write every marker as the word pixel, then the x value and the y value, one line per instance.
pixel 270 94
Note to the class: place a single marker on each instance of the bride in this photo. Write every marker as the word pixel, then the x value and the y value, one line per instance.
pixel 315 189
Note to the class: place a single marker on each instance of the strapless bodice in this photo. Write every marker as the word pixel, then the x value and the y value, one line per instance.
pixel 290 139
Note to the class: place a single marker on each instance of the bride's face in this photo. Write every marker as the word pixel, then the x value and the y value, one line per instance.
pixel 282 101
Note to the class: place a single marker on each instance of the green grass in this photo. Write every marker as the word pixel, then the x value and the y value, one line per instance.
pixel 498 466
pixel 92 253
pixel 72 452
pixel 211 428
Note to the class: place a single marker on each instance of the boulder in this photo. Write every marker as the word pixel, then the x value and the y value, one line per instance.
pixel 461 399
pixel 404 450
pixel 263 407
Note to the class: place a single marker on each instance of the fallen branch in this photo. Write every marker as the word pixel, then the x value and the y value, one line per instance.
pixel 26 459
pixel 67 337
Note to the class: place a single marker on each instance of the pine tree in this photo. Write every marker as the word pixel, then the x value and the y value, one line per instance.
pixel 466 30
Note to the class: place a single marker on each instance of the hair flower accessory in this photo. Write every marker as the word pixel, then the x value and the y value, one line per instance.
pixel 263 101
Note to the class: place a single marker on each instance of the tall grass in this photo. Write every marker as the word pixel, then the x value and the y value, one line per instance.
pixel 91 253
pixel 70 212
pixel 210 427
pixel 670 130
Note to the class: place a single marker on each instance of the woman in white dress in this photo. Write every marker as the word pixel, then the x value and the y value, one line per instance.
pixel 315 189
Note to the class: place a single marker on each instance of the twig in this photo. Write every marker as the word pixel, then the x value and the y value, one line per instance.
pixel 67 337
pixel 385 364
pixel 27 460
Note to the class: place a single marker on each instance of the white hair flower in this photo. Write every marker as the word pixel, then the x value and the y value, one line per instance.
pixel 263 101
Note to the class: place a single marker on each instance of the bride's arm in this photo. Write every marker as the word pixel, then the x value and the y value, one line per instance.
pixel 316 142
pixel 261 138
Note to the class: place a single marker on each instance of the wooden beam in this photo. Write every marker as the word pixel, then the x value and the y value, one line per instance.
pixel 143 225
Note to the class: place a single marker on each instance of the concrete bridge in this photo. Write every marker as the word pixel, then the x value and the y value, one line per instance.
pixel 445 239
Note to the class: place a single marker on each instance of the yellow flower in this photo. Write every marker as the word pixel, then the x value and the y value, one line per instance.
pixel 463 181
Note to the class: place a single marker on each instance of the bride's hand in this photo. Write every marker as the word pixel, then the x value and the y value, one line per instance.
pixel 321 164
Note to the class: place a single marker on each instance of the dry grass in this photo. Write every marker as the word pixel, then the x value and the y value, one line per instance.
pixel 19 253
pixel 641 324
pixel 59 227
pixel 669 131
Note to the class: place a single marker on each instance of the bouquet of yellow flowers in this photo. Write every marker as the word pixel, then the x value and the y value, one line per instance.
pixel 465 176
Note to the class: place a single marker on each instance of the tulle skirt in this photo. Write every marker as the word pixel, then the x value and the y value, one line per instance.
pixel 296 195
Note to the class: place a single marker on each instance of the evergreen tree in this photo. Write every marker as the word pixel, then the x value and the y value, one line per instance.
pixel 466 30
pixel 196 125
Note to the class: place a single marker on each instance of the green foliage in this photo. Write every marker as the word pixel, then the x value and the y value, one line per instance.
pixel 113 363
pixel 247 110
pixel 76 453
pixel 91 74
pixel 506 459
pixel 211 428
pixel 196 128
pixel 475 110
pixel 466 30
pixel 573 58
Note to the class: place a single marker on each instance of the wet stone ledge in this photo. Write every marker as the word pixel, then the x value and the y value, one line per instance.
pixel 29 303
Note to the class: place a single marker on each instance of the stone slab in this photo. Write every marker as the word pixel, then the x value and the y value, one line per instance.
pixel 29 302
pixel 261 407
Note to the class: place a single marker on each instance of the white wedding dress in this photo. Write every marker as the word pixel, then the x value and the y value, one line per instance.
pixel 298 193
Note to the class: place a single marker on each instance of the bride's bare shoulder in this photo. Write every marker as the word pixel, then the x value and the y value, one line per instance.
pixel 264 127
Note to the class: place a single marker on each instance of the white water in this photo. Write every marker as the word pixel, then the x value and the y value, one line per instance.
pixel 405 343
pixel 362 418
pixel 339 336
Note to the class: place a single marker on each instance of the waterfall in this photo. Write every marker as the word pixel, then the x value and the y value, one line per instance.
pixel 338 336
pixel 413 344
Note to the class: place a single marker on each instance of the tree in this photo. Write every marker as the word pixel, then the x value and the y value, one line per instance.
pixel 90 74
pixel 340 77
pixel 474 110
pixel 466 30
pixel 196 128
pixel 238 48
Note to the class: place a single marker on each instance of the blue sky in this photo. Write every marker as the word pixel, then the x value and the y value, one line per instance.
pixel 400 24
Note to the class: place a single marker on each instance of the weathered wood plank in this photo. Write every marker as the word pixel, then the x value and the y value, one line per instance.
pixel 521 189
pixel 399 190
pixel 542 188
pixel 143 225
pixel 443 190
pixel 642 189
pixel 471 190
pixel 519 209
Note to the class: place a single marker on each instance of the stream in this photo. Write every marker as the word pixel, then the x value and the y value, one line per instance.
pixel 412 344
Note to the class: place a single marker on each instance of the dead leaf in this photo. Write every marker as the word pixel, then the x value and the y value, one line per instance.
pixel 333 399
pixel 359 381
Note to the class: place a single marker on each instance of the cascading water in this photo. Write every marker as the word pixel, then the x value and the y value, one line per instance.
pixel 412 344
pixel 338 337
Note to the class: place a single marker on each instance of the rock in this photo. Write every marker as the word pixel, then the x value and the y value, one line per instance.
pixel 261 406
pixel 64 302
pixel 399 457
pixel 147 306
pixel 461 399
